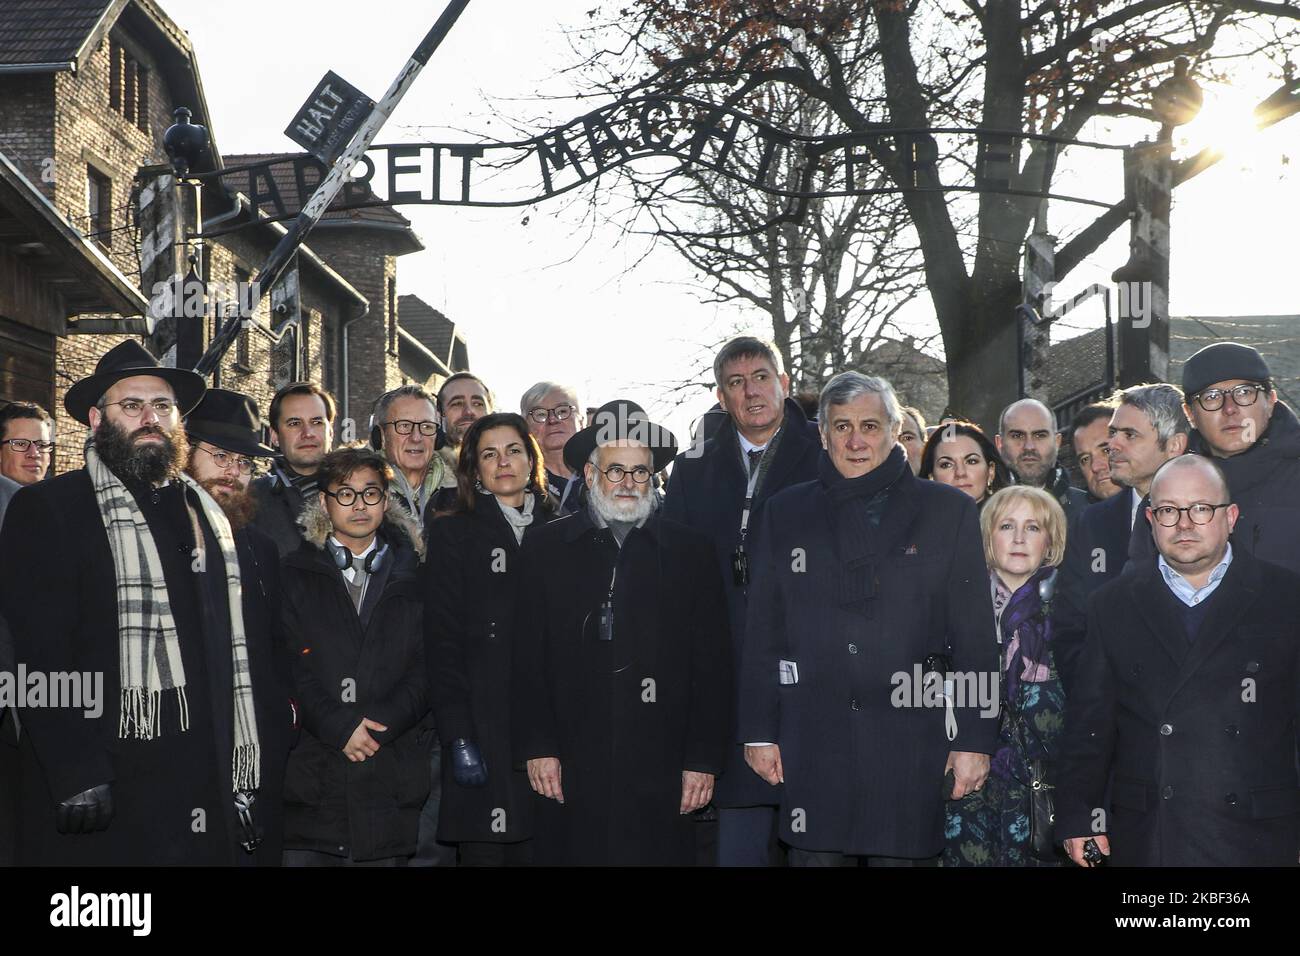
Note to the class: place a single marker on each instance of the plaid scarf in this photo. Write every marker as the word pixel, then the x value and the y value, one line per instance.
pixel 148 644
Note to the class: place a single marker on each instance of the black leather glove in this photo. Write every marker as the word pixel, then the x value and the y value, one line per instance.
pixel 468 768
pixel 87 812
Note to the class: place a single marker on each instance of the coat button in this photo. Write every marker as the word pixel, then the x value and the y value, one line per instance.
pixel 1231 730
pixel 1252 667
pixel 853 704
pixel 1231 799
pixel 853 648
pixel 1167 792
pixel 1166 729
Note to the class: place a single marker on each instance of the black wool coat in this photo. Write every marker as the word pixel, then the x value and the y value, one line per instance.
pixel 57 593
pixel 707 492
pixel 1096 551
pixel 471 578
pixel 1199 739
pixel 851 605
pixel 344 670
pixel 279 506
pixel 624 716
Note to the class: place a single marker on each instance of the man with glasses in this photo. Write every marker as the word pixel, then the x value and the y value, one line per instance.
pixel 353 615
pixel 1147 428
pixel 1255 438
pixel 26 448
pixel 1186 707
pixel 405 428
pixel 626 622
pixel 128 569
pixel 554 415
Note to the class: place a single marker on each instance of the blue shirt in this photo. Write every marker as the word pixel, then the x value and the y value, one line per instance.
pixel 1183 589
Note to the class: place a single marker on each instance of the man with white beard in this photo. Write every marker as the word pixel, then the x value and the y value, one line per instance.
pixel 625 618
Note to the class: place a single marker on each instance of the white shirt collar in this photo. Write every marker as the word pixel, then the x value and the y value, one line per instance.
pixel 1187 592
pixel 350 572
pixel 1133 513
pixel 746 446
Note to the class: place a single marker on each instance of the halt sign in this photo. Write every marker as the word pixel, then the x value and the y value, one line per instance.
pixel 327 121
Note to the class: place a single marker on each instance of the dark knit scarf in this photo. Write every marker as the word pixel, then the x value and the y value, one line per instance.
pixel 305 485
pixel 857 507
pixel 870 488
pixel 1024 624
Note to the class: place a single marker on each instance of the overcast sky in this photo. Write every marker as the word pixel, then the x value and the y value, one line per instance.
pixel 554 298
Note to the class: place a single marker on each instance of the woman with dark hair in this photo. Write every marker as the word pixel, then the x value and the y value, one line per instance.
pixel 469 613
pixel 960 454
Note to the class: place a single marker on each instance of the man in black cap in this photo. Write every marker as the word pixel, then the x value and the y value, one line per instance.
pixel 1255 439
pixel 129 581
pixel 621 665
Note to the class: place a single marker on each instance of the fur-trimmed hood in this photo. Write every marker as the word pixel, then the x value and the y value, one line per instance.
pixel 398 525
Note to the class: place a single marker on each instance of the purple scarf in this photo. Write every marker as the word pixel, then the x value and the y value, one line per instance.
pixel 1026 632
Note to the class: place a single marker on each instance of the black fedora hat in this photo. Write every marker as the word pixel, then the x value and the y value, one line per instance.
pixel 615 421
pixel 123 361
pixel 230 421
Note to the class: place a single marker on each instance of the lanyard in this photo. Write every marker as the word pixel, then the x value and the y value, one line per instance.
pixel 749 495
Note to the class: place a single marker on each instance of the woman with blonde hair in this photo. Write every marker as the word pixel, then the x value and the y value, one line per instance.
pixel 1006 822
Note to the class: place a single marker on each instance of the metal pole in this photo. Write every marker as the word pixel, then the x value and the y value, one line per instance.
pixel 331 184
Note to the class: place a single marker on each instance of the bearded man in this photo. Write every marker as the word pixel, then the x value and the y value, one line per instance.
pixel 129 579
pixel 621 663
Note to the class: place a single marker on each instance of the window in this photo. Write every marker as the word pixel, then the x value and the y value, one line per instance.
pixel 99 207
pixel 128 86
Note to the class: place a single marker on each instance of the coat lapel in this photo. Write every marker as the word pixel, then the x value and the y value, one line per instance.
pixel 791 448
pixel 1235 595
pixel 1145 588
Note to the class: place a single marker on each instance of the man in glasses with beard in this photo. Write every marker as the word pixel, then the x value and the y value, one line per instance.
pixel 627 620
pixel 125 573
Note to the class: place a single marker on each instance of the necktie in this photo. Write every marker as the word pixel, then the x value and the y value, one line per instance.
pixel 755 456
pixel 357 586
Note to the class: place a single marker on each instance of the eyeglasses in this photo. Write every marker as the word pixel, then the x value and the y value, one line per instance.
pixel 560 413
pixel 1244 395
pixel 224 460
pixel 404 426
pixel 640 474
pixel 133 407
pixel 348 496
pixel 21 445
pixel 1201 513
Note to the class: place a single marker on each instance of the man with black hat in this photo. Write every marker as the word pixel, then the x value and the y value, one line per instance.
pixel 622 669
pixel 129 572
pixel 1238 420
pixel 225 435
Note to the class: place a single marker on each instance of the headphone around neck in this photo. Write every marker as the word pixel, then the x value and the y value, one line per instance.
pixel 343 557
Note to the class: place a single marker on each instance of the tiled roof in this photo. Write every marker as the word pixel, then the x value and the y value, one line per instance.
pixel 433 329
pixel 282 175
pixel 46 31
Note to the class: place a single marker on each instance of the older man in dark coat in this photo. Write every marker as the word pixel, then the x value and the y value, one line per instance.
pixel 718 487
pixel 621 668
pixel 1187 697
pixel 154 773
pixel 865 580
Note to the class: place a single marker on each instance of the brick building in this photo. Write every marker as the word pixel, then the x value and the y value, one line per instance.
pixel 87 90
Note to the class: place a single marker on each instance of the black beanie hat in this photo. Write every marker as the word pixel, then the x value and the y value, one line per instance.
pixel 1222 362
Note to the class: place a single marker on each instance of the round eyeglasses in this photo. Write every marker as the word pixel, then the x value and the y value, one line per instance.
pixel 640 474
pixel 404 426
pixel 223 460
pixel 1167 516
pixel 560 413
pixel 134 408
pixel 1244 395
pixel 348 496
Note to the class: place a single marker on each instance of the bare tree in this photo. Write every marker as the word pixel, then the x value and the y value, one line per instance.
pixel 1013 66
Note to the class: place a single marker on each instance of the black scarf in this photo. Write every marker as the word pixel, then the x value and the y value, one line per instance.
pixel 866 487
